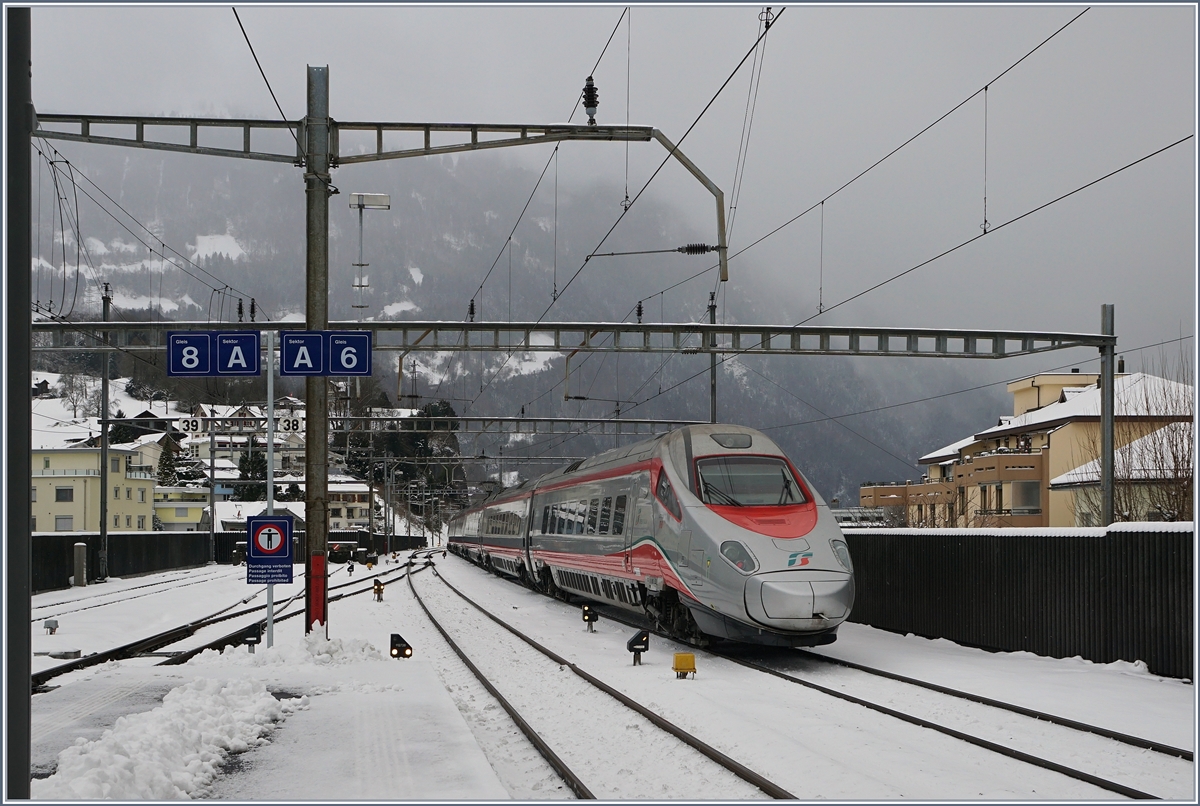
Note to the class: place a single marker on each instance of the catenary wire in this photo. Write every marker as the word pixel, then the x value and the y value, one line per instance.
pixel 625 209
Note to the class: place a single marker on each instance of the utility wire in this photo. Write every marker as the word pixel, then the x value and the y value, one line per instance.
pixel 264 75
pixel 625 209
pixel 891 153
pixel 938 256
pixel 132 218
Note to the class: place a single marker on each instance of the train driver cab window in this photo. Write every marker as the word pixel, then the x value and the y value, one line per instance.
pixel 741 481
pixel 618 519
pixel 666 495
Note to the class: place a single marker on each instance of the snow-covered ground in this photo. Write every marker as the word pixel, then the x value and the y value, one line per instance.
pixel 347 723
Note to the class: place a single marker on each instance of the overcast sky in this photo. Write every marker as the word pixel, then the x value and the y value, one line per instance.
pixel 840 88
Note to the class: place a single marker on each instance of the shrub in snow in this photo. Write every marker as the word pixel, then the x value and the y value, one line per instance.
pixel 173 751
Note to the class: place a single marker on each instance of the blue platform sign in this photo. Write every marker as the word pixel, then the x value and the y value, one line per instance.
pixel 192 353
pixel 349 352
pixel 237 353
pixel 189 353
pixel 269 550
pixel 301 352
pixel 325 352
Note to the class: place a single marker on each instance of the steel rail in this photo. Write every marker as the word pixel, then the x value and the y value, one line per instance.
pixel 1070 772
pixel 737 768
pixel 169 587
pixel 1125 738
pixel 569 777
pixel 1045 764
pixel 234 638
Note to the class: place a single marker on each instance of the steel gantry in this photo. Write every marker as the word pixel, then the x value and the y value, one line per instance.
pixel 318 143
pixel 620 337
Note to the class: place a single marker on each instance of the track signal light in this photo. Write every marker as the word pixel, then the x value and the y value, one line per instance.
pixel 590 616
pixel 591 100
pixel 400 647
pixel 638 644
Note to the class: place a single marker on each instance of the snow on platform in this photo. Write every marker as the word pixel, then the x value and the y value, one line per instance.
pixel 324 719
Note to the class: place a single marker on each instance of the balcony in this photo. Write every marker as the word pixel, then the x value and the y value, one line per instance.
pixel 139 474
pixel 67 472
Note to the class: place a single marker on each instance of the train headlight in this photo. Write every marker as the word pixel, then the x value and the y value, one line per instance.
pixel 842 552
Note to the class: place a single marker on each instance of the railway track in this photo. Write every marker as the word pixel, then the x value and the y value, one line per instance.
pixel 641 754
pixel 162 640
pixel 161 586
pixel 1019 713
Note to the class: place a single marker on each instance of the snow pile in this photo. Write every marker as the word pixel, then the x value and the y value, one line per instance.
pixel 313 649
pixel 174 751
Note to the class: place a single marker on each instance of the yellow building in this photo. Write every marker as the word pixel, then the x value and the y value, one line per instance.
pixel 65 490
pixel 1028 469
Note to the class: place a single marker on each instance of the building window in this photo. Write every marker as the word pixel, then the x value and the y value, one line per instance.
pixel 128 493
pixel 1026 497
pixel 141 521
pixel 116 493
pixel 117 521
pixel 920 514
pixel 64 523
pixel 116 465
pixel 64 494
pixel 181 512
pixel 34 498
pixel 335 513
pixel 46 463
pixel 141 495
pixel 950 513
pixel 33 524
pixel 127 521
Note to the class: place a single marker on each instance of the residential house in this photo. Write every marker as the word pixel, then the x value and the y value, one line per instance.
pixel 1030 469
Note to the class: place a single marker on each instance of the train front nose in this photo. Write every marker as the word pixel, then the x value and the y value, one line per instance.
pixel 800 599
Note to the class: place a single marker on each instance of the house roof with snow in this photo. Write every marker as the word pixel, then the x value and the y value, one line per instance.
pixel 1134 395
pixel 1154 457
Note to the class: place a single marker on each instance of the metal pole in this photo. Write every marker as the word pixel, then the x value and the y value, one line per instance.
pixel 712 359
pixel 270 473
pixel 18 408
pixel 1107 379
pixel 316 390
pixel 212 493
pixel 102 571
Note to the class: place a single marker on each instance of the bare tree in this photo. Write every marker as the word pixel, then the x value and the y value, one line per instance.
pixel 1153 462
pixel 74 388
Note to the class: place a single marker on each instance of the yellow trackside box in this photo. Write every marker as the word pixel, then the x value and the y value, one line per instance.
pixel 684 664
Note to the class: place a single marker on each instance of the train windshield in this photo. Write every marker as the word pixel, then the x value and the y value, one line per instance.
pixel 748 481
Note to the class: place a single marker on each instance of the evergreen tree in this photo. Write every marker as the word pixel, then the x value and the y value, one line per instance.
pixel 251 466
pixel 168 466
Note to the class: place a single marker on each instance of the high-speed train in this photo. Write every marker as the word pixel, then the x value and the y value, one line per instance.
pixel 709 530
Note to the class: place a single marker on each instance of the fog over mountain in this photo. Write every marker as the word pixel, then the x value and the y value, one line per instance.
pixel 241 224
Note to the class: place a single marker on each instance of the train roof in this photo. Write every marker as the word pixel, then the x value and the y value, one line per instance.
pixel 628 454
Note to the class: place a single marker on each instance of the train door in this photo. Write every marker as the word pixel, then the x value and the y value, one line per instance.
pixel 643 518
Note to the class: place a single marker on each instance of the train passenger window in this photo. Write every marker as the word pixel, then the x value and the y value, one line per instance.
pixel 618 520
pixel 592 512
pixel 580 512
pixel 605 513
pixel 560 526
pixel 666 494
pixel 545 519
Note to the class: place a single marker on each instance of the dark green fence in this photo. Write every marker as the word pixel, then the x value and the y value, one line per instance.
pixel 1119 594
pixel 136 553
